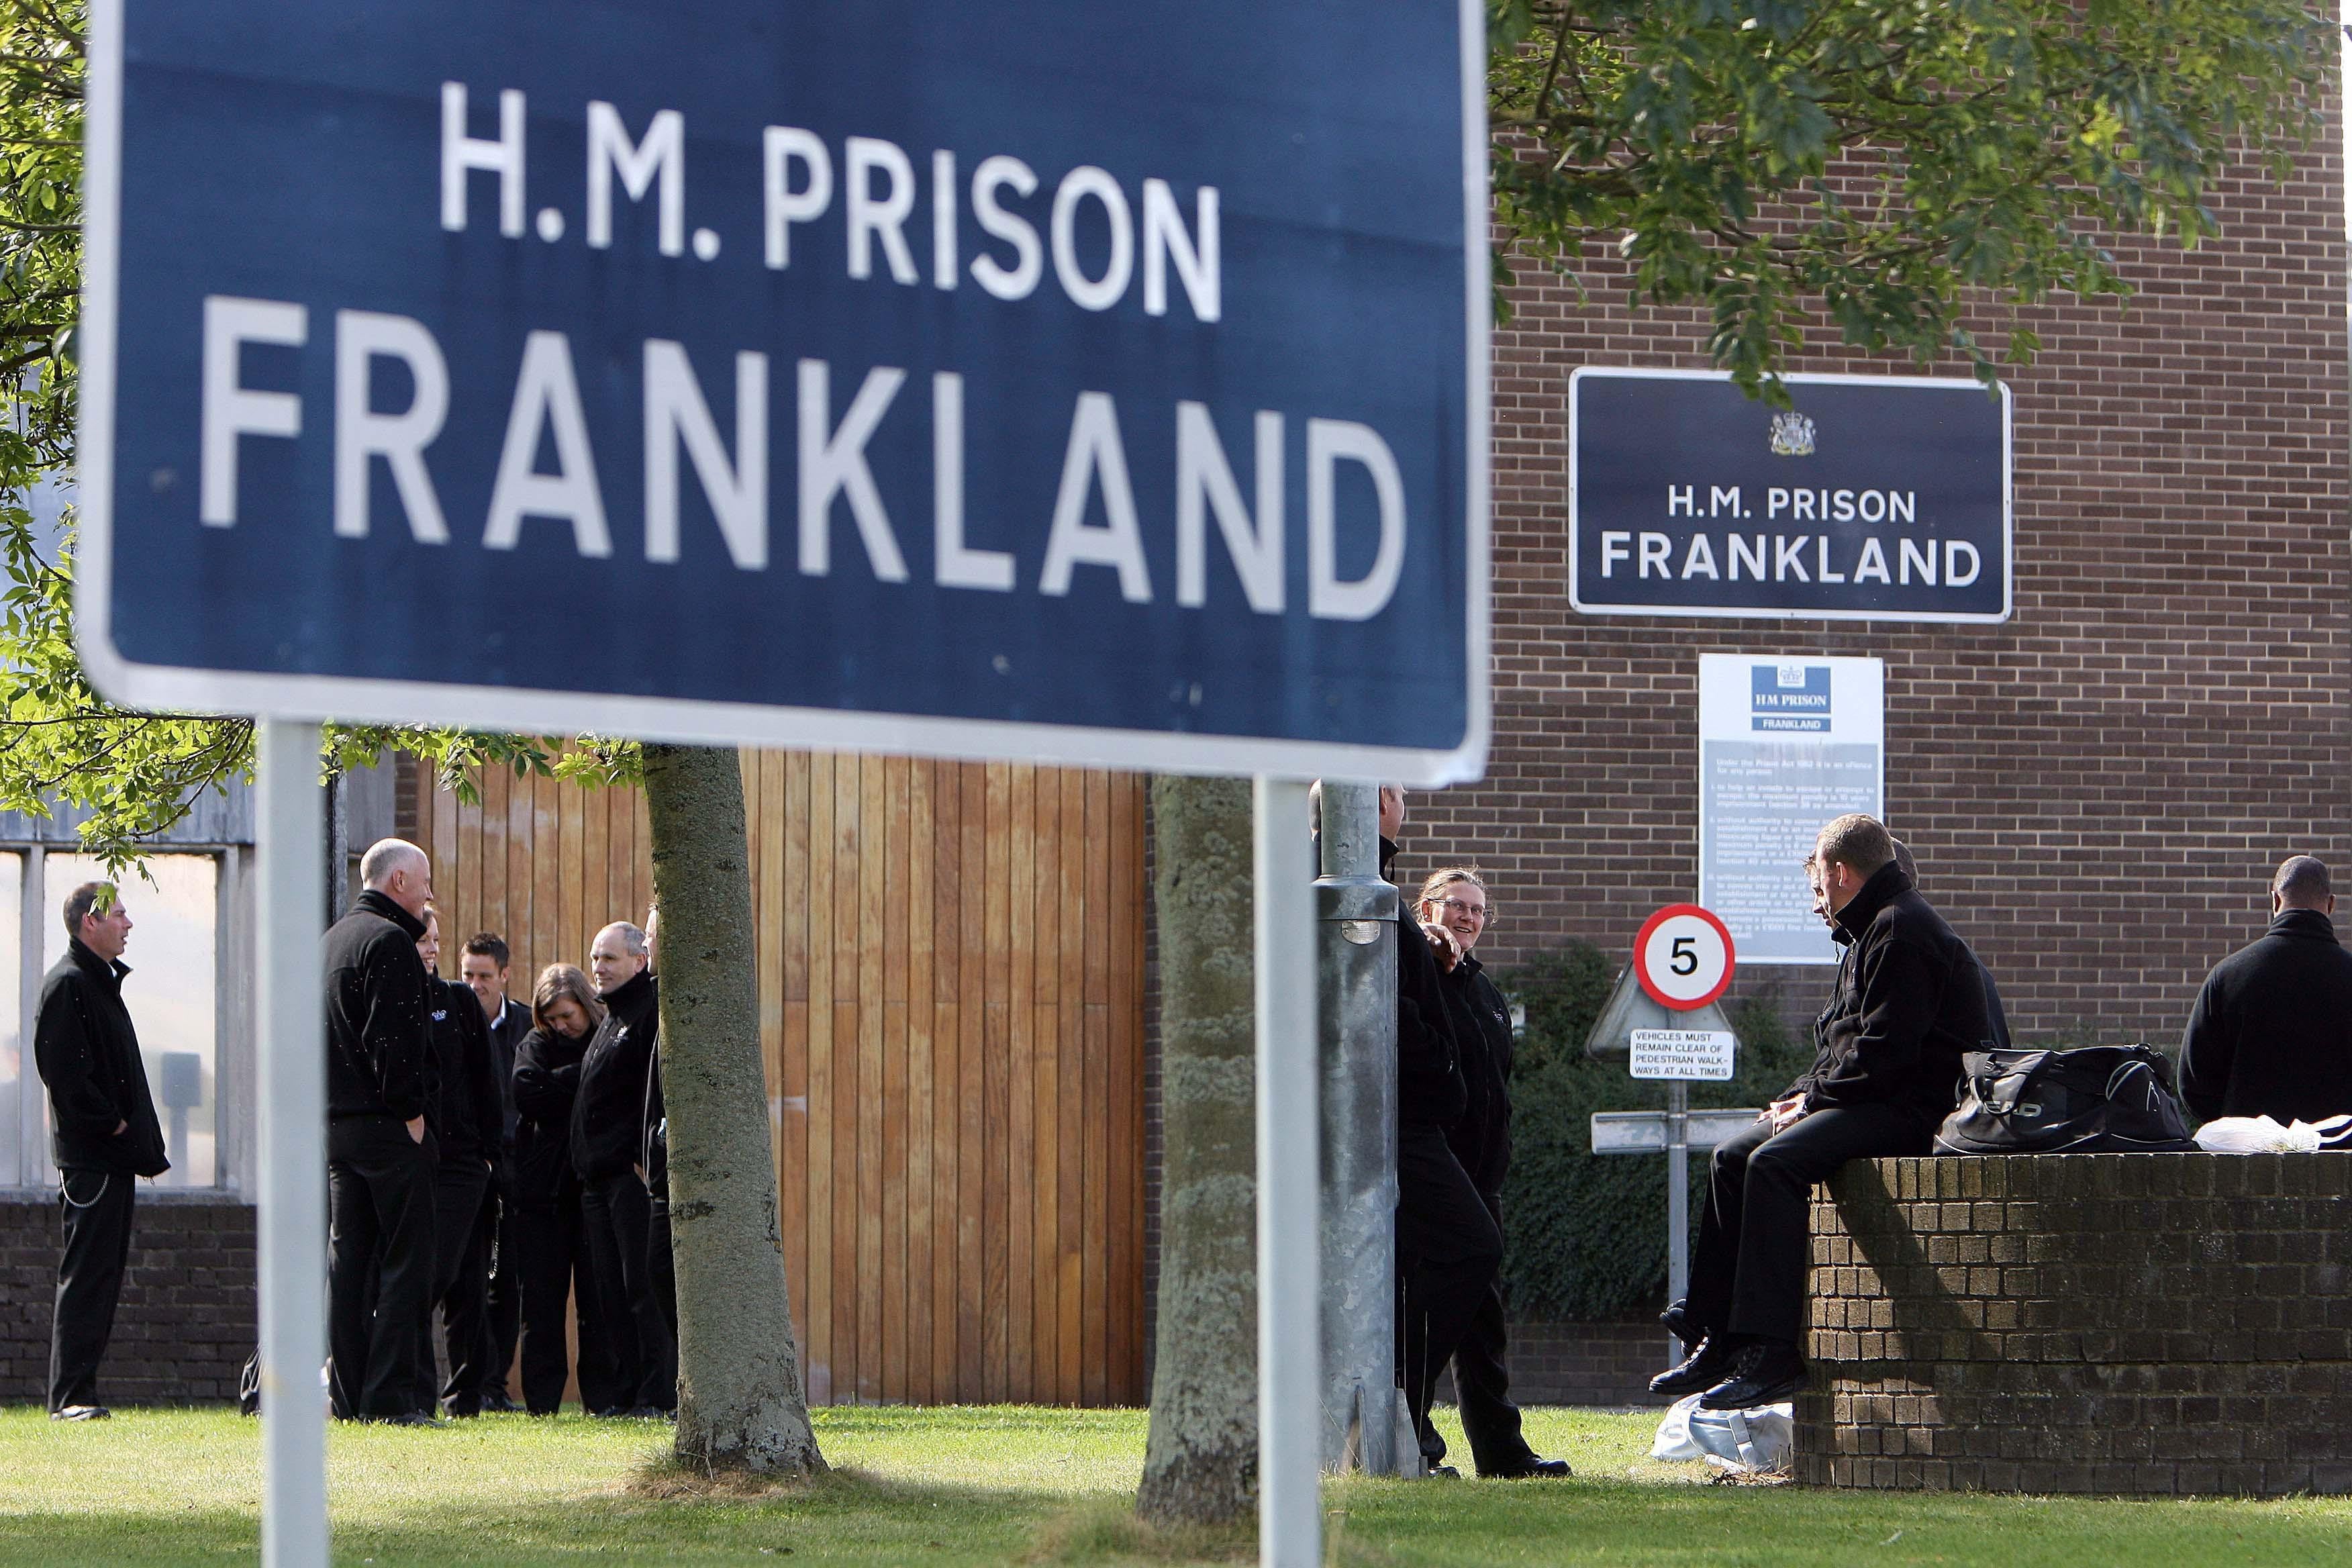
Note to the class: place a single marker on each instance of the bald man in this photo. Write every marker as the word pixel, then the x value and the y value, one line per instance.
pixel 380 1158
pixel 2271 1032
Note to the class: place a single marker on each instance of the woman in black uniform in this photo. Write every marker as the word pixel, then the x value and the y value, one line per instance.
pixel 552 1250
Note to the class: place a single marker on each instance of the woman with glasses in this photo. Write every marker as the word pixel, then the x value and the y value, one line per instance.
pixel 1454 900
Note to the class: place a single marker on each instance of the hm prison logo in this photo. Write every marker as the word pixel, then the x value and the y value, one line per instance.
pixel 1793 435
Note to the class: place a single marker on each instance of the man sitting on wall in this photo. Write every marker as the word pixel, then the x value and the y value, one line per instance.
pixel 2272 1031
pixel 1909 999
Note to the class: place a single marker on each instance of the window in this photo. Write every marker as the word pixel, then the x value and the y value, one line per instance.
pixel 170 992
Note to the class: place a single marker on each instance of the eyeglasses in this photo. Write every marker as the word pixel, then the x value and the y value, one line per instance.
pixel 1456 906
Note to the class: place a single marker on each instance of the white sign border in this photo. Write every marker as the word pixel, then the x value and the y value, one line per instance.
pixel 1760 613
pixel 692 721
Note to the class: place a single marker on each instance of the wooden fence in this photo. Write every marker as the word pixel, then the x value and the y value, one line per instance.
pixel 950 979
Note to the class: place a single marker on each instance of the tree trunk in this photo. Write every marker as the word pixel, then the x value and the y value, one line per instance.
pixel 741 1400
pixel 1200 1463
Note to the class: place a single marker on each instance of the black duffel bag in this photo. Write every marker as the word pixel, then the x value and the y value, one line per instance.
pixel 2100 1099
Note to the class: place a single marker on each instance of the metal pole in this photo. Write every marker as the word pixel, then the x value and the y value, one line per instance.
pixel 291 1074
pixel 1677 1196
pixel 1289 1366
pixel 1356 937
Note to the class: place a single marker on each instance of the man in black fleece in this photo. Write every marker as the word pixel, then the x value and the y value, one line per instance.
pixel 381 1157
pixel 104 1138
pixel 1910 998
pixel 1448 1245
pixel 468 1117
pixel 2271 1032
pixel 607 1127
pixel 484 968
pixel 653 1158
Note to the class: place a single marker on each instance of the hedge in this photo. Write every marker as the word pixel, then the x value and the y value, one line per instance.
pixel 1585 1235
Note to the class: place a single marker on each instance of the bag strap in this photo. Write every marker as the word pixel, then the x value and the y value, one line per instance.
pixel 2333 1130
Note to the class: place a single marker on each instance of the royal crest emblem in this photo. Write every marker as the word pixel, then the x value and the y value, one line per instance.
pixel 1793 435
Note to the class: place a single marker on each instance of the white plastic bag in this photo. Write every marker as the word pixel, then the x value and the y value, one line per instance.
pixel 1760 1441
pixel 2262 1135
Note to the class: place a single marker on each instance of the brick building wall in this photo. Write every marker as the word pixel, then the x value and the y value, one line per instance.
pixel 2099 788
pixel 2123 1323
pixel 187 1317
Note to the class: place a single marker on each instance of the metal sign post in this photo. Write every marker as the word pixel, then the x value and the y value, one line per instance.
pixel 1289 1262
pixel 991 382
pixel 290 1065
pixel 1677 1130
pixel 1357 919
pixel 1683 962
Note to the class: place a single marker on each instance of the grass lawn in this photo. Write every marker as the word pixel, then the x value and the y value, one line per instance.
pixel 1010 1485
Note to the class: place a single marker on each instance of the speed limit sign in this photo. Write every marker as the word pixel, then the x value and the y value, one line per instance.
pixel 1683 957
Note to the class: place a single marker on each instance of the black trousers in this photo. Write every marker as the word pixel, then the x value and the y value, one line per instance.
pixel 460 1188
pixel 1748 1268
pixel 502 1274
pixel 95 1206
pixel 1448 1250
pixel 555 1268
pixel 380 1257
pixel 1482 1380
pixel 617 1216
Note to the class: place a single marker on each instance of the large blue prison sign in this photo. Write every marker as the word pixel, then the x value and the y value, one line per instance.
pixel 1876 497
pixel 1082 382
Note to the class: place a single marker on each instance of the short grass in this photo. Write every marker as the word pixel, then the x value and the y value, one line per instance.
pixel 962 1486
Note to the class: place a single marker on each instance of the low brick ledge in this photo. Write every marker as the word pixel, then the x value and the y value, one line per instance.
pixel 2149 1324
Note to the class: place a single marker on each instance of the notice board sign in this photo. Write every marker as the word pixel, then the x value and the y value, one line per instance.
pixel 1784 745
pixel 1044 380
pixel 1694 1055
pixel 1877 498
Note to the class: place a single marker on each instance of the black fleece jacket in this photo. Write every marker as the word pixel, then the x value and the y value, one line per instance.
pixel 87 1055
pixel 1481 1139
pixel 2272 1031
pixel 608 1116
pixel 1431 1092
pixel 379 1013
pixel 469 1115
pixel 546 1082
pixel 1910 999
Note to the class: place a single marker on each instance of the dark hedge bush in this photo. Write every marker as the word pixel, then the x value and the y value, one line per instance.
pixel 1585 1235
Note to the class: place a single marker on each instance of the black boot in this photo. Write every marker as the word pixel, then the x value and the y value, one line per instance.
pixel 1765 1371
pixel 1705 1367
pixel 1679 1323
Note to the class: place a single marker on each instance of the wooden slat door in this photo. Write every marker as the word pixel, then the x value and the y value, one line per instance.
pixel 949 960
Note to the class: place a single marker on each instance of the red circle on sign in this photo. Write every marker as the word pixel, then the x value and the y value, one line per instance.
pixel 1651 983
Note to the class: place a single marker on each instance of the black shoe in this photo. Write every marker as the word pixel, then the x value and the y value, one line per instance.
pixel 1765 1372
pixel 1532 1469
pixel 1443 1473
pixel 82 1413
pixel 1705 1367
pixel 499 1404
pixel 413 1418
pixel 1677 1321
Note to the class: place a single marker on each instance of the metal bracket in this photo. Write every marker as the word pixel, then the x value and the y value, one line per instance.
pixel 1351 899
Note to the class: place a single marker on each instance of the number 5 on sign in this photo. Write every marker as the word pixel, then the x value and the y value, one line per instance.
pixel 1683 957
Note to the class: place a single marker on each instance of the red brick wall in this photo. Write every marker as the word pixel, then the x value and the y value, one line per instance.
pixel 187 1317
pixel 2096 789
